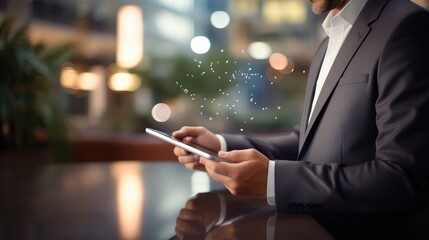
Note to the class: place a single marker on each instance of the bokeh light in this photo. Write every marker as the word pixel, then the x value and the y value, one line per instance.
pixel 123 81
pixel 161 112
pixel 278 61
pixel 69 77
pixel 220 19
pixel 88 81
pixel 130 36
pixel 200 44
pixel 259 50
pixel 200 182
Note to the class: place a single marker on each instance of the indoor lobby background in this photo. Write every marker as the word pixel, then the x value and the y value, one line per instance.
pixel 80 80
pixel 98 72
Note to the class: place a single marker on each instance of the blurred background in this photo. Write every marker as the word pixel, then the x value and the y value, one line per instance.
pixel 94 70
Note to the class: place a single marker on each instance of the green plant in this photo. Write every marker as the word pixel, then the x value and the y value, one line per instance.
pixel 27 73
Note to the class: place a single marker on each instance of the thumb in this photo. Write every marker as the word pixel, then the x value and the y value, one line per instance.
pixel 235 156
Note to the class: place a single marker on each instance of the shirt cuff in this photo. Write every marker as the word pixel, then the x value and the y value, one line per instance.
pixel 271 190
pixel 271 198
pixel 222 142
pixel 271 227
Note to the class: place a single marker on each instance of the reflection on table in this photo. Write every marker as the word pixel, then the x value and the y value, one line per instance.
pixel 122 200
pixel 160 200
pixel 218 215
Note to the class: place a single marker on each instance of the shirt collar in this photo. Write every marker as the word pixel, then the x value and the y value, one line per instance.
pixel 347 15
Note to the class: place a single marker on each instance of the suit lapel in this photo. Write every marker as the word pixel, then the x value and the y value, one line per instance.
pixel 354 39
pixel 311 85
pixel 350 46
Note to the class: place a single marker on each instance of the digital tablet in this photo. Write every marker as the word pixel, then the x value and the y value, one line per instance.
pixel 192 148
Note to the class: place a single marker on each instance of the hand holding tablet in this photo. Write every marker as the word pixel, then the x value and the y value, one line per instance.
pixel 192 148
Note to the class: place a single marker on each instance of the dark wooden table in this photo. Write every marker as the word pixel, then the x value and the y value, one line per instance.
pixel 159 200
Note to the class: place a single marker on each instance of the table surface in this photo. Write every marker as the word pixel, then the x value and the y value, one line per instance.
pixel 161 200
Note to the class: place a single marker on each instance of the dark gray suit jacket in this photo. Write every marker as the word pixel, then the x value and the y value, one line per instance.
pixel 366 148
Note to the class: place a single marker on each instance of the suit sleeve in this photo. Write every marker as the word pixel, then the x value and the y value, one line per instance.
pixel 395 181
pixel 274 147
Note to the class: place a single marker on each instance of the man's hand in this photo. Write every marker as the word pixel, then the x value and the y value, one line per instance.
pixel 246 175
pixel 197 135
pixel 199 216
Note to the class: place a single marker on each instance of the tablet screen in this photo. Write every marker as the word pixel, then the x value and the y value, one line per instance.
pixel 193 148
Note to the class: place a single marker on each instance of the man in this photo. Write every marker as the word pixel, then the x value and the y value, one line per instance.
pixel 362 143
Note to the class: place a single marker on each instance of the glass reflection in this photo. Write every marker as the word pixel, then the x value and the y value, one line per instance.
pixel 130 199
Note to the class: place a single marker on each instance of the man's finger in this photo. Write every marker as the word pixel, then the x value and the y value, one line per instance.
pixel 188 132
pixel 219 171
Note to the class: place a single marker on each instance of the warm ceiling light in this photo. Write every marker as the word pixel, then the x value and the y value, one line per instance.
pixel 69 77
pixel 88 81
pixel 124 82
pixel 130 36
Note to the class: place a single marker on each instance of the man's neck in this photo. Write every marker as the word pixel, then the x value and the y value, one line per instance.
pixel 336 10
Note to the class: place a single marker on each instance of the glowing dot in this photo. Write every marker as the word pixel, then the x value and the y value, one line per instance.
pixel 161 112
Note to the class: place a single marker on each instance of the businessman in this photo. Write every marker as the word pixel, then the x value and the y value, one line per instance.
pixel 361 146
